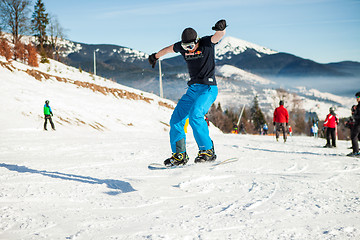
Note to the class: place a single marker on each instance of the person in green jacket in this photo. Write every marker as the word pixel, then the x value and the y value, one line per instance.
pixel 48 113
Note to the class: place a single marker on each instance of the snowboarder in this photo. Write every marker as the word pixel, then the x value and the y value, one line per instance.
pixel 281 120
pixel 355 130
pixel 199 54
pixel 47 115
pixel 331 121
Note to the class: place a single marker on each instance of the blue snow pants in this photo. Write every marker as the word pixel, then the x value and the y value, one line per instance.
pixel 194 104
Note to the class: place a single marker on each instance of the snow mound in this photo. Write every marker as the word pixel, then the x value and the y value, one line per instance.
pixel 241 75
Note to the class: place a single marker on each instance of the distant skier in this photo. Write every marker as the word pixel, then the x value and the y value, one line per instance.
pixel 242 128
pixel 351 122
pixel 281 120
pixel 48 114
pixel 290 131
pixel 235 129
pixel 199 54
pixel 355 130
pixel 331 121
pixel 207 120
pixel 265 129
pixel 314 130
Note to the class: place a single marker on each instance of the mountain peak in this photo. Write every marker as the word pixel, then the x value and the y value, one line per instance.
pixel 237 46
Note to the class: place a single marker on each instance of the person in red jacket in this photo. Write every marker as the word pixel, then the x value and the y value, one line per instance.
pixel 330 124
pixel 281 120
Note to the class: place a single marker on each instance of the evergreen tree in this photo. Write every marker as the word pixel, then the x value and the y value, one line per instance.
pixel 39 22
pixel 257 115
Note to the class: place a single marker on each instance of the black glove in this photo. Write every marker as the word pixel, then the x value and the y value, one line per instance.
pixel 274 123
pixel 152 60
pixel 220 25
pixel 287 124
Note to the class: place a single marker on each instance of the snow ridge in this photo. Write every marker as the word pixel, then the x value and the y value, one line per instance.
pixel 231 45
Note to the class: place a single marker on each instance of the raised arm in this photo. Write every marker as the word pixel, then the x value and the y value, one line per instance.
pixel 219 27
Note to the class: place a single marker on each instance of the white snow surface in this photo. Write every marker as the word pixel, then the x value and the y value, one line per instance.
pixel 89 178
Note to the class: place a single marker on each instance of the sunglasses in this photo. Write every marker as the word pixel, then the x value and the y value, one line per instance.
pixel 189 46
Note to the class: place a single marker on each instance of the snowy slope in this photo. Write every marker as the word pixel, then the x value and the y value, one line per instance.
pixel 89 179
pixel 25 90
pixel 95 185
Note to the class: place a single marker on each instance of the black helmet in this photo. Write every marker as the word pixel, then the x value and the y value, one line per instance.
pixel 357 94
pixel 281 102
pixel 189 35
pixel 47 102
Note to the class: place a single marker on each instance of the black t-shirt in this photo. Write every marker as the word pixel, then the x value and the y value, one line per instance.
pixel 201 63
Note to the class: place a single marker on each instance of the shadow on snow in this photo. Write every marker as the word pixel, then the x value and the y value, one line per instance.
pixel 117 186
pixel 291 152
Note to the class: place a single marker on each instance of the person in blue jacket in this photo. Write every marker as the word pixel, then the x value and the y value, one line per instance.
pixel 199 54
pixel 265 129
pixel 47 115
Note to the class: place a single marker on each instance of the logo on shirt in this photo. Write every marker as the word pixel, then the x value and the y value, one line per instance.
pixel 194 55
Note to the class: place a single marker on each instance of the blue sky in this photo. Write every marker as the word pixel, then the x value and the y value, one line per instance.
pixel 321 30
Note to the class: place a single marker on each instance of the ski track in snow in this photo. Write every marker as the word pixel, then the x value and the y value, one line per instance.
pixel 100 190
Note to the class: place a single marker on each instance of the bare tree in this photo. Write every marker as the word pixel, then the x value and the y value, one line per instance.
pixel 56 34
pixel 15 17
pixel 297 115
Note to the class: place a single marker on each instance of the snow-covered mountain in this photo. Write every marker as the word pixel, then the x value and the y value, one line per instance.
pixel 113 61
pixel 233 46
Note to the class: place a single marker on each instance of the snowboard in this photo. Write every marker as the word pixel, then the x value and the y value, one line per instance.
pixel 159 166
